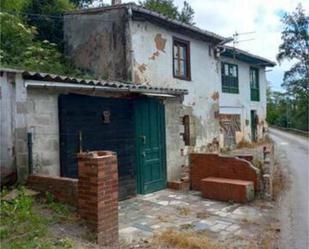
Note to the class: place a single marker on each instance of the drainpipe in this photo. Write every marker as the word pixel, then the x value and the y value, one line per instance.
pixel 131 51
pixel 30 156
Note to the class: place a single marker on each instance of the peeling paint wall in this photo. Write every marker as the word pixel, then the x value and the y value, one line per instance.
pixel 241 103
pixel 152 48
pixel 175 157
pixel 99 42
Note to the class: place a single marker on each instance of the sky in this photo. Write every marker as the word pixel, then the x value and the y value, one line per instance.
pixel 262 17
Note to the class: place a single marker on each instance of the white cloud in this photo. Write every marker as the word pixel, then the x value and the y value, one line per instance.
pixel 225 17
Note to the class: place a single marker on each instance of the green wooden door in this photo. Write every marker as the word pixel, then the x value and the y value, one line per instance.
pixel 150 145
pixel 253 126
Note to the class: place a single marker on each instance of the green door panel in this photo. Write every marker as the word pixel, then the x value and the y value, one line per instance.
pixel 150 145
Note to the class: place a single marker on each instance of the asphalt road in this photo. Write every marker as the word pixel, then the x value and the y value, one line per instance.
pixel 293 153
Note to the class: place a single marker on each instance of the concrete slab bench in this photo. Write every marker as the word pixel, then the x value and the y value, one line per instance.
pixel 223 189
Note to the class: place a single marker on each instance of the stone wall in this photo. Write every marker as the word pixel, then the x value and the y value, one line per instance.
pixel 214 165
pixel 42 122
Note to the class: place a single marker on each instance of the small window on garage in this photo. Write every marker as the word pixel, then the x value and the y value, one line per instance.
pixel 254 84
pixel 229 75
pixel 181 59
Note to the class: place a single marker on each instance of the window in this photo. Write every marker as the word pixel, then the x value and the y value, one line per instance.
pixel 229 74
pixel 181 59
pixel 254 84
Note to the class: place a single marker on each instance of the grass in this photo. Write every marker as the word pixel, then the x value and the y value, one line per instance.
pixel 22 224
pixel 281 181
pixel 185 240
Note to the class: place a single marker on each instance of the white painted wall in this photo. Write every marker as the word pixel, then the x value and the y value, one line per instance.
pixel 241 103
pixel 159 72
pixel 153 65
pixel 7 122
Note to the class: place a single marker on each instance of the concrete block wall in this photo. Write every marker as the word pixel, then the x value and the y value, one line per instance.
pixel 43 123
pixel 14 153
pixel 7 119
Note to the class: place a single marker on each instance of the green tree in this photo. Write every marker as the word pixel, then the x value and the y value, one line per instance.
pixel 47 16
pixel 293 110
pixel 169 9
pixel 19 48
pixel 187 14
pixel 295 46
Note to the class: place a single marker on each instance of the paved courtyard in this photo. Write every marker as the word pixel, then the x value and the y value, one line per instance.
pixel 143 216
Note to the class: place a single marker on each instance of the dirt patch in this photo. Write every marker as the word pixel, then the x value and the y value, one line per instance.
pixel 185 240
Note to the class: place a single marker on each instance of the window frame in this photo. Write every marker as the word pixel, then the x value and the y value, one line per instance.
pixel 227 87
pixel 185 44
pixel 254 92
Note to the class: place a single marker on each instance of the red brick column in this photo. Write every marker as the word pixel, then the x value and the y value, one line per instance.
pixel 98 194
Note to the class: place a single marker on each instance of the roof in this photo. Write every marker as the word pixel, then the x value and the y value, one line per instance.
pixel 139 13
pixel 247 57
pixel 103 84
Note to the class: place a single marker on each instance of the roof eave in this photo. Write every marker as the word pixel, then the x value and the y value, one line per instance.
pixel 247 57
pixel 171 23
pixel 125 86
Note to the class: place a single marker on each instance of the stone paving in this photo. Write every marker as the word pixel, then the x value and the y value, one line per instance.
pixel 143 216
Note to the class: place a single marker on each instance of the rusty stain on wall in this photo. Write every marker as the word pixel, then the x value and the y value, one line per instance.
pixel 137 79
pixel 215 96
pixel 154 55
pixel 213 146
pixel 160 42
pixel 230 124
pixel 142 67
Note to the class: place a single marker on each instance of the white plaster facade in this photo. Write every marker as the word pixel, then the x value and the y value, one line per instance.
pixel 153 65
pixel 241 103
pixel 205 76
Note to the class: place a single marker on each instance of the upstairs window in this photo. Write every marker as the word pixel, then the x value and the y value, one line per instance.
pixel 254 84
pixel 181 59
pixel 229 74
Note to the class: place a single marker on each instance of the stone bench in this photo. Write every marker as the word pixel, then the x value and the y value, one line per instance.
pixel 223 189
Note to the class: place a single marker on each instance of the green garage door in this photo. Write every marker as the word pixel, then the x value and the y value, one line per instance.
pixel 150 145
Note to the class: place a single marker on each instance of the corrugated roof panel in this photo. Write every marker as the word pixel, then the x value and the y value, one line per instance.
pixel 38 76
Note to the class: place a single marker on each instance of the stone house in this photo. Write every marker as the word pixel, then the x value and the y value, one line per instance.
pixel 226 100
pixel 166 89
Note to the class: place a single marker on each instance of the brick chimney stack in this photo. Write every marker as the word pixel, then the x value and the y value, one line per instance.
pixel 116 2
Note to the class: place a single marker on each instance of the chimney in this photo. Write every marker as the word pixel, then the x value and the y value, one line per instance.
pixel 116 2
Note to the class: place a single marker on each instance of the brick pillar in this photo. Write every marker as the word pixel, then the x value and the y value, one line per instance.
pixel 98 194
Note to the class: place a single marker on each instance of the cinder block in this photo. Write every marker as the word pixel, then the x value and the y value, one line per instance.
pixel 223 189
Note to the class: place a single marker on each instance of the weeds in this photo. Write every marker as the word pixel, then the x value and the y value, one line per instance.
pixel 185 240
pixel 23 226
